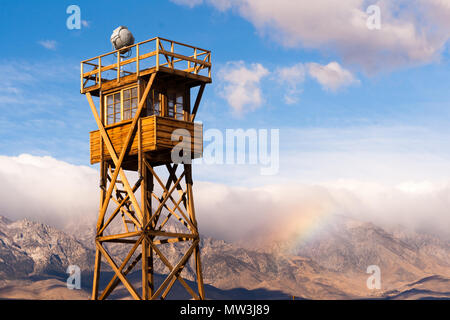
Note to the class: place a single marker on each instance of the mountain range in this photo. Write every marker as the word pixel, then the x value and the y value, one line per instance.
pixel 332 265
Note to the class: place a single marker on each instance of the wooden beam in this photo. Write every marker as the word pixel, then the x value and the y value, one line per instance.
pixel 118 161
pixel 171 234
pixel 175 270
pixel 184 221
pixel 165 55
pixel 169 194
pixel 197 101
pixel 191 209
pixel 125 261
pixel 112 285
pixel 113 215
pixel 180 56
pixel 198 267
pixel 145 246
pixel 161 204
pixel 125 211
pixel 172 240
pixel 98 257
pixel 122 278
pixel 119 236
pixel 169 266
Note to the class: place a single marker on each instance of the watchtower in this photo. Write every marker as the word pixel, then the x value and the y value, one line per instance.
pixel 145 114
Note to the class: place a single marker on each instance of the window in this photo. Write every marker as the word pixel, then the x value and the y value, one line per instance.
pixel 179 107
pixel 121 105
pixel 113 108
pixel 154 103
pixel 130 103
pixel 175 105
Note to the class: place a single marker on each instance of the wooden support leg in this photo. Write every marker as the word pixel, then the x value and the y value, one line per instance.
pixel 146 191
pixel 198 267
pixel 98 258
pixel 191 210
pixel 98 254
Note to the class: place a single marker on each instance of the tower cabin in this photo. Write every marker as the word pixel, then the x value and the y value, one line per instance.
pixel 120 79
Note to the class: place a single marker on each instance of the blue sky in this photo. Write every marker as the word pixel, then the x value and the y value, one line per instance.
pixel 44 114
pixel 362 114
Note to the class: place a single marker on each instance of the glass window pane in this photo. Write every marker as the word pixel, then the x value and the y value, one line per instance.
pixel 153 103
pixel 109 100
pixel 109 110
pixel 117 97
pixel 170 105
pixel 126 115
pixel 134 92
pixel 110 119
pixel 134 103
pixel 149 106
pixel 117 117
pixel 126 104
pixel 126 94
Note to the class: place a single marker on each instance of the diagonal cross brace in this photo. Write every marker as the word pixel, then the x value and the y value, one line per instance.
pixel 118 272
pixel 167 194
pixel 123 264
pixel 118 160
pixel 170 267
pixel 175 270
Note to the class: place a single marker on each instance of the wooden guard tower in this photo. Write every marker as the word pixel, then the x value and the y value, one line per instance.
pixel 143 98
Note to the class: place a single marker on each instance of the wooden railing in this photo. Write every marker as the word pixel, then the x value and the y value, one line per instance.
pixel 163 52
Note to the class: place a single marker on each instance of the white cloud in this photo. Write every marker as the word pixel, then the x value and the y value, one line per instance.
pixel 240 85
pixel 331 76
pixel 291 77
pixel 189 3
pixel 351 183
pixel 279 211
pixel 412 31
pixel 388 175
pixel 47 190
pixel 48 44
pixel 219 4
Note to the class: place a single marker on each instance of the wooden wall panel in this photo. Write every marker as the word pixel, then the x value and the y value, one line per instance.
pixel 156 136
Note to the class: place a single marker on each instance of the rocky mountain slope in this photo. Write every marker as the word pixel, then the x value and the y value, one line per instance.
pixel 331 265
pixel 348 247
pixel 28 248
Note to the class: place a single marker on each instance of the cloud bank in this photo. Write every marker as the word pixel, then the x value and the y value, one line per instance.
pixel 277 212
pixel 47 190
pixel 412 31
pixel 48 44
pixel 65 195
pixel 240 85
pixel 331 76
